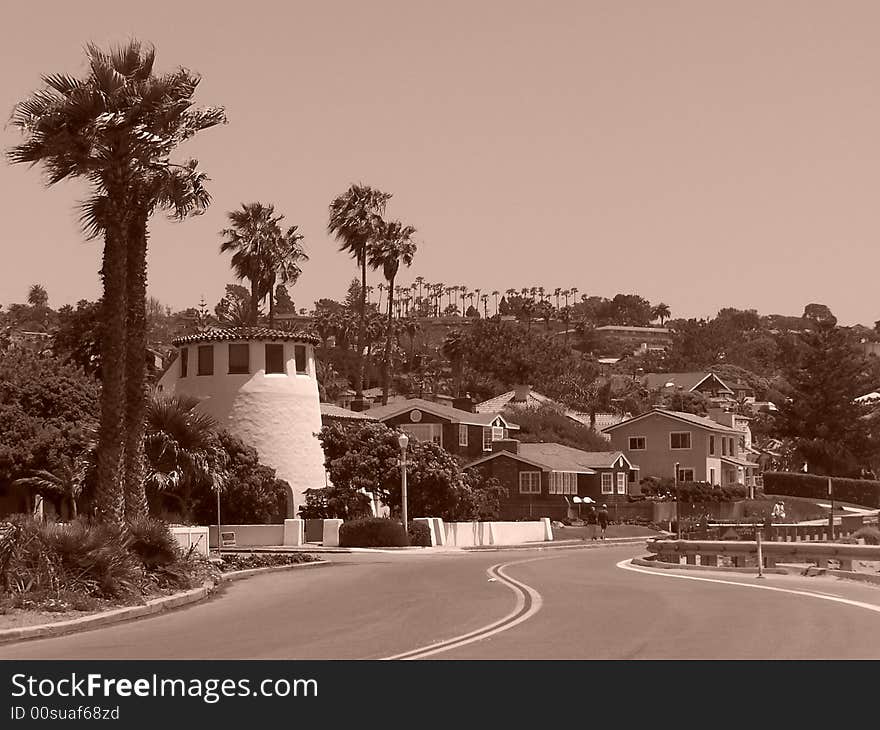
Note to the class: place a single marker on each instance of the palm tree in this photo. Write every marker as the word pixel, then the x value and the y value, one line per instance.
pixel 37 296
pixel 420 280
pixel 541 293
pixel 67 480
pixel 381 287
pixel 392 247
pixel 495 294
pixel 485 299
pixel 463 291
pixel 662 312
pixel 354 218
pixel 454 348
pixel 566 293
pixel 556 292
pixel 412 328
pixel 182 450
pixel 117 128
pixel 574 291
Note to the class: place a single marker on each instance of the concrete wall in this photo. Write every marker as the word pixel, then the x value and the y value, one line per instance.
pixel 251 535
pixel 470 534
pixel 192 538
pixel 278 414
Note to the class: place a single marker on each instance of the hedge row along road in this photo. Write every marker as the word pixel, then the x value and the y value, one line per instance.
pixel 564 604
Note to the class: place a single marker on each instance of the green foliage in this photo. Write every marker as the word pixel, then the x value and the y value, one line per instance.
pixel 153 543
pixel 871 535
pixel 692 492
pixel 854 491
pixel 373 532
pixel 248 561
pixel 334 502
pixel 78 336
pixel 419 534
pixel 549 424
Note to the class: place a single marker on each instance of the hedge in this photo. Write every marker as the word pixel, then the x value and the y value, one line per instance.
pixel 856 491
pixel 419 534
pixel 373 532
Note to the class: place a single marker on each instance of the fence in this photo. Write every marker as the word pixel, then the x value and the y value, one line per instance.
pixel 744 554
pixel 192 538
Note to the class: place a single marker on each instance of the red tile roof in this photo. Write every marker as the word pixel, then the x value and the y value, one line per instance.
pixel 222 334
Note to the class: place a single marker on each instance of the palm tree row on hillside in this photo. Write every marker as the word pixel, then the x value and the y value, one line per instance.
pixel 116 128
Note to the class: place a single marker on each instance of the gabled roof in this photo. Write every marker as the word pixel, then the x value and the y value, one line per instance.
pixel 687 418
pixel 684 381
pixel 454 415
pixel 333 411
pixel 519 457
pixel 566 458
pixel 533 399
pixel 221 334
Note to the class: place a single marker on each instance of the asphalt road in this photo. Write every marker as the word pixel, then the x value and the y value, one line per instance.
pixel 540 604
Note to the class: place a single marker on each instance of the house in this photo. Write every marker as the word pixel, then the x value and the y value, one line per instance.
pixel 461 432
pixel 614 339
pixel 541 479
pixel 692 448
pixel 331 413
pixel 708 384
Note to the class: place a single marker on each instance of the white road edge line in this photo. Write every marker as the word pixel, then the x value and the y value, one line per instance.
pixel 626 565
pixel 496 627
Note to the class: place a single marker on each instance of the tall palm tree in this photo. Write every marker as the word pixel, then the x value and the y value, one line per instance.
pixel 485 299
pixel 381 287
pixel 495 294
pixel 354 218
pixel 574 291
pixel 392 246
pixel 420 280
pixel 566 293
pixel 37 296
pixel 117 128
pixel 556 292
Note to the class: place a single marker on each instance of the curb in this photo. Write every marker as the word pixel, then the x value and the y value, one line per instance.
pixel 560 545
pixel 150 608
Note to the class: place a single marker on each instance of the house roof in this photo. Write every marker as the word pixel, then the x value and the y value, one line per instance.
pixel 566 458
pixel 454 415
pixel 628 328
pixel 684 381
pixel 688 418
pixel 245 333
pixel 736 462
pixel 333 411
pixel 533 399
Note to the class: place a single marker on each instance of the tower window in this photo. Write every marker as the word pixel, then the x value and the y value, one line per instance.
pixel 239 359
pixel 275 359
pixel 184 361
pixel 299 355
pixel 206 360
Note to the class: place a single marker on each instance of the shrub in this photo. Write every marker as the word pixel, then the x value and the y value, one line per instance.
pixel 871 535
pixel 856 491
pixel 153 543
pixel 373 532
pixel 419 534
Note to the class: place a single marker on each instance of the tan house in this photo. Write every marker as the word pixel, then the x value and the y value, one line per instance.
pixel 693 448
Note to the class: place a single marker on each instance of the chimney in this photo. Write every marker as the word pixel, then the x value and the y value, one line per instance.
pixel 521 393
pixel 511 445
pixel 464 404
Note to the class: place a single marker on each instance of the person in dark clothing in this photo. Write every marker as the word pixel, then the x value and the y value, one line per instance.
pixel 592 520
pixel 603 519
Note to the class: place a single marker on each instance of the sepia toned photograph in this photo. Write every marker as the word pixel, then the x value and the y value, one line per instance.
pixel 468 331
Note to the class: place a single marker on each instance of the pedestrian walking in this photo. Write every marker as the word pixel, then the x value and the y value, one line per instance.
pixel 603 519
pixel 592 520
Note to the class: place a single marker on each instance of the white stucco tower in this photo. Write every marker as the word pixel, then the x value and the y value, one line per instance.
pixel 260 385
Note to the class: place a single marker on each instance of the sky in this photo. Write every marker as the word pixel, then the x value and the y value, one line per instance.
pixel 705 154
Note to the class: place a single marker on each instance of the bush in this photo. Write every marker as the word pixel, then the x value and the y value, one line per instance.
pixel 246 561
pixel 419 534
pixel 871 535
pixel 856 491
pixel 153 543
pixel 692 492
pixel 373 532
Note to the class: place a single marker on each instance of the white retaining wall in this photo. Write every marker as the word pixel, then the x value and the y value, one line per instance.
pixel 470 534
pixel 195 538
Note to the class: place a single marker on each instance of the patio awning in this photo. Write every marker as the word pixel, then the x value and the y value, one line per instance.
pixel 737 462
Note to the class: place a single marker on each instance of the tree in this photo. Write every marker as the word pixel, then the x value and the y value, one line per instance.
pixel 661 312
pixel 820 314
pixel 822 417
pixel 354 218
pixel 78 336
pixel 283 303
pixel 117 128
pixel 392 246
pixel 37 296
pixel 234 309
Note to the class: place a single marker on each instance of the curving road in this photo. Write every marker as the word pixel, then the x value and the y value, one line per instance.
pixel 534 604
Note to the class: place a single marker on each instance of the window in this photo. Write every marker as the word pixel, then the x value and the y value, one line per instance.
pixel 424 431
pixel 563 482
pixel 680 440
pixel 487 438
pixel 462 434
pixel 206 360
pixel 632 476
pixel 621 482
pixel 184 361
pixel 607 483
pixel 530 482
pixel 637 443
pixel 723 446
pixel 299 356
pixel 712 477
pixel 239 359
pixel 275 359
pixel 497 433
pixel 732 446
pixel 711 446
pixel 685 475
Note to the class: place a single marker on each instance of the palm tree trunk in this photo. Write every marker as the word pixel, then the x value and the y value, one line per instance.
pixel 272 301
pixel 386 370
pixel 109 502
pixel 359 378
pixel 135 368
pixel 255 291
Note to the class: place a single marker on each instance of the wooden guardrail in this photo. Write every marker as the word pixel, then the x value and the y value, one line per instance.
pixel 744 553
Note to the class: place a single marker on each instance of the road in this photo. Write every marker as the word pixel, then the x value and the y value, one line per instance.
pixel 539 604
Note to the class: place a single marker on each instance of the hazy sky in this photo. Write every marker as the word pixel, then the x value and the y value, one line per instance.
pixel 702 153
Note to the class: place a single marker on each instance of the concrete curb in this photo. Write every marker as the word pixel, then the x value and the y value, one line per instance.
pixel 645 563
pixel 560 544
pixel 150 608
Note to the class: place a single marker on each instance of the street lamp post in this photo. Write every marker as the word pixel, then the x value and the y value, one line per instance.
pixel 403 440
pixel 831 511
pixel 219 538
pixel 677 513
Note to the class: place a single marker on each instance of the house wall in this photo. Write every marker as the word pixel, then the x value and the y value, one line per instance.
pixel 658 459
pixel 474 448
pixel 277 414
